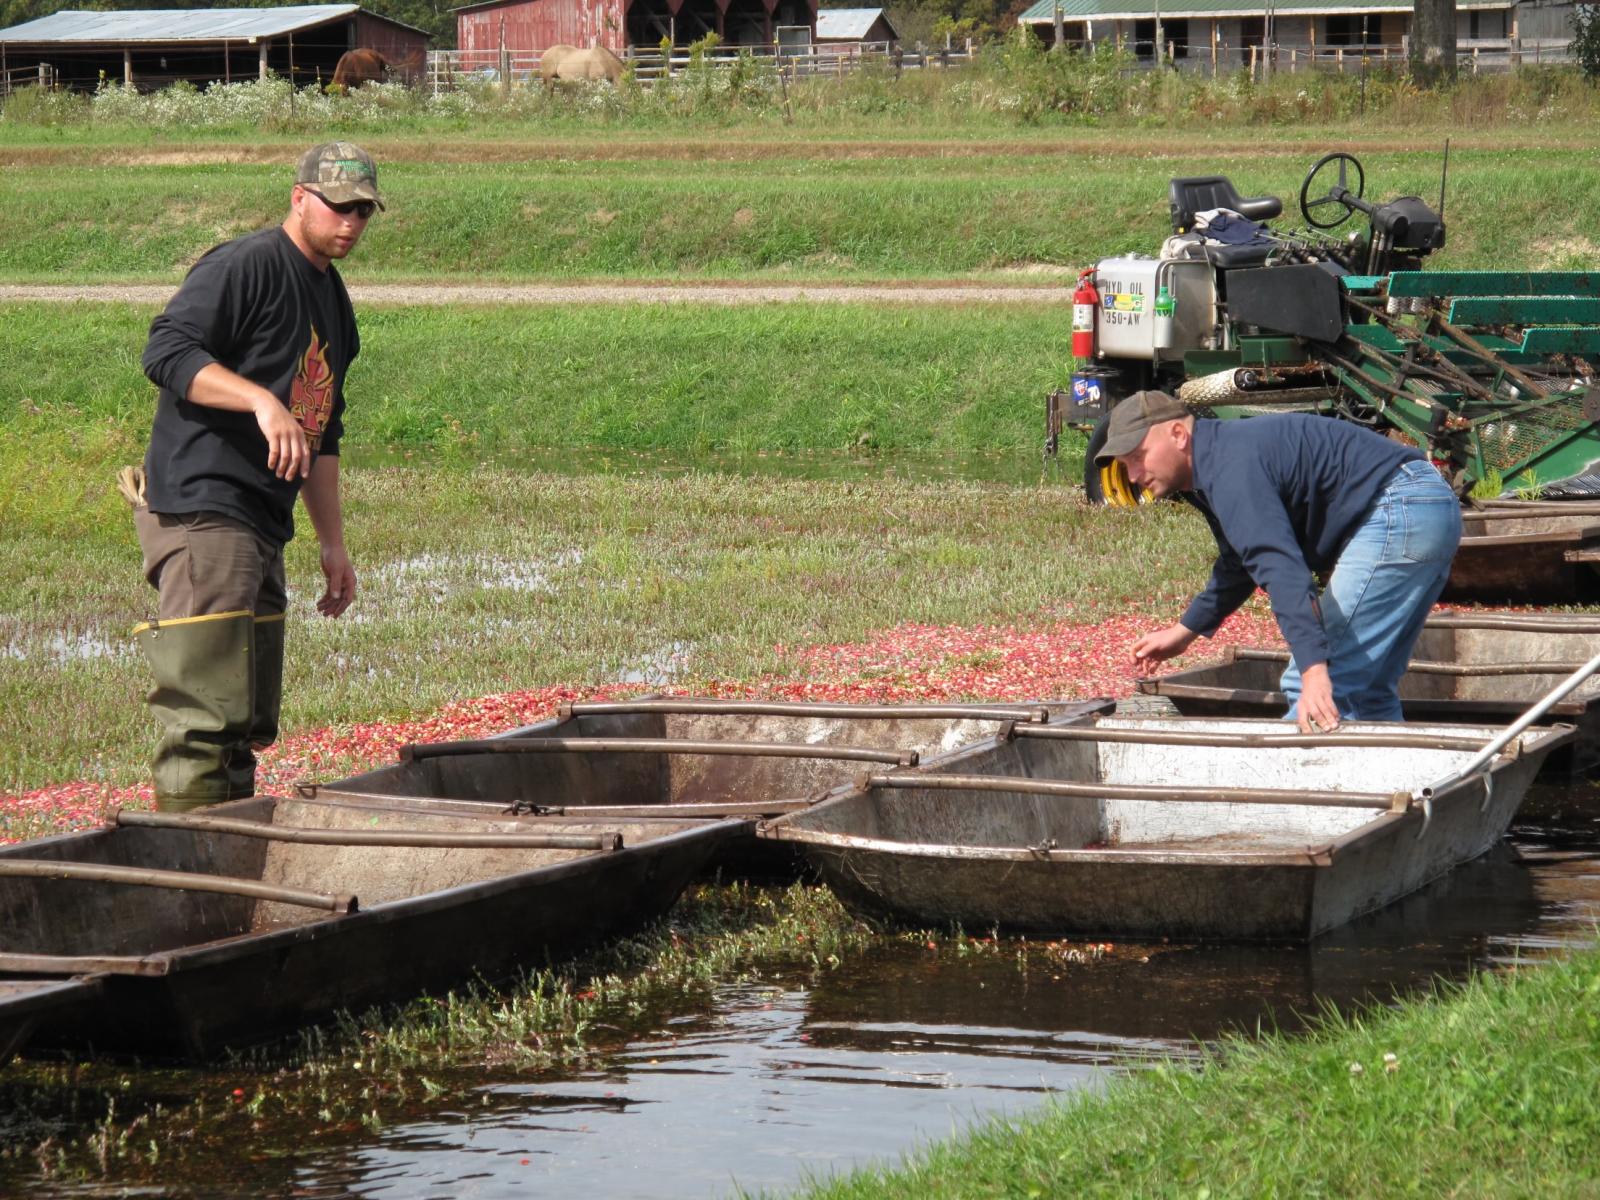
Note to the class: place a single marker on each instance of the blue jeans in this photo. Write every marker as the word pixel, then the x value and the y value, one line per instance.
pixel 1386 580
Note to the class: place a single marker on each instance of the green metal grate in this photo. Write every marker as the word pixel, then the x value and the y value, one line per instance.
pixel 1508 444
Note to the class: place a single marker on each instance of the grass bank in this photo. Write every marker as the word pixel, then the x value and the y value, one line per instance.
pixel 1489 1091
pixel 781 210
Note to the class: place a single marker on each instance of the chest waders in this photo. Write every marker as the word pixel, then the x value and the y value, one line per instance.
pixel 218 683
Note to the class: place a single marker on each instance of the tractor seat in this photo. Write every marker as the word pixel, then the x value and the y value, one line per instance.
pixel 1201 192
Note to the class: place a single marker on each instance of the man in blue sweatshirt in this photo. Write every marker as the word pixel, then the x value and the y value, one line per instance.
pixel 1290 498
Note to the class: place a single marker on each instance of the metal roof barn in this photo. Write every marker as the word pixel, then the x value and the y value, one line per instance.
pixel 854 25
pixel 532 26
pixel 154 47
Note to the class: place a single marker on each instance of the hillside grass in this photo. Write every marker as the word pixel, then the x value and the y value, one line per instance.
pixel 659 210
pixel 473 382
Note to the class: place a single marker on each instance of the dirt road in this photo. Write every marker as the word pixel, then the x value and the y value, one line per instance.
pixel 598 293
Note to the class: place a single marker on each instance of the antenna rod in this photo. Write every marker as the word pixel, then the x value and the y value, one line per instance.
pixel 1444 174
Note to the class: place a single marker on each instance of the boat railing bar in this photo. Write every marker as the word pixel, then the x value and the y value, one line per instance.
pixel 1303 797
pixel 751 808
pixel 83 964
pixel 1036 713
pixel 586 745
pixel 369 837
pixel 185 881
pixel 1565 507
pixel 600 812
pixel 1142 856
pixel 1424 666
pixel 1531 623
pixel 1100 733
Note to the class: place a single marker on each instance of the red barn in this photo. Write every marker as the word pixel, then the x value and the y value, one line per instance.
pixel 530 26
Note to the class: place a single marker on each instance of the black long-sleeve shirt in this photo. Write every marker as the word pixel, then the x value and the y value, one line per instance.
pixel 1282 495
pixel 257 306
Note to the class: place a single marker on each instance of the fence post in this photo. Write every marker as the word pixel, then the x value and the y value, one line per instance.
pixel 1253 50
pixel 505 62
pixel 1338 58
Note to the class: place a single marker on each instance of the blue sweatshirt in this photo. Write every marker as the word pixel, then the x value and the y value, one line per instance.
pixel 1282 495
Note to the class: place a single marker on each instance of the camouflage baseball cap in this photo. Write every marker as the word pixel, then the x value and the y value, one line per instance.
pixel 339 172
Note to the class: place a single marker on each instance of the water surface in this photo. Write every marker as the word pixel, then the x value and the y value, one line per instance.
pixel 765 1084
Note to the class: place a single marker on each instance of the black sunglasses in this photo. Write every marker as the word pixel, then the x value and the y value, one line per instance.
pixel 362 208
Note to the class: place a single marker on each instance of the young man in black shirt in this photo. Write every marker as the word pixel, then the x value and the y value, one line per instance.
pixel 250 357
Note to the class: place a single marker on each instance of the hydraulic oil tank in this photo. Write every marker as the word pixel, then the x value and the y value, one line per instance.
pixel 1126 325
pixel 1128 287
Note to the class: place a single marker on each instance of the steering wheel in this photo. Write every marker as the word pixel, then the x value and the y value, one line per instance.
pixel 1337 195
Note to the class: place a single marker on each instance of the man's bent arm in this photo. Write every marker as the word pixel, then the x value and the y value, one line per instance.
pixel 321 496
pixel 288 455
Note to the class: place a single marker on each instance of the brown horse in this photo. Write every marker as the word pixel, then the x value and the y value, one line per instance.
pixel 356 67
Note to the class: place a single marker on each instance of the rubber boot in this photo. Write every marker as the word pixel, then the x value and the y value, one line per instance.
pixel 266 699
pixel 204 693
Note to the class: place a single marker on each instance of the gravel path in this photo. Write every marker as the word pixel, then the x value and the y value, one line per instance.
pixel 588 293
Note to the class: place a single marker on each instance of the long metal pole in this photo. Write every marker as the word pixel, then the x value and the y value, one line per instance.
pixel 1126 791
pixel 1422 666
pixel 441 839
pixel 1556 694
pixel 1398 739
pixel 183 881
pixel 899 758
pixel 784 708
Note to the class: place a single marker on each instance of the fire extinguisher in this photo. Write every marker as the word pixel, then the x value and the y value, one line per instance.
pixel 1084 303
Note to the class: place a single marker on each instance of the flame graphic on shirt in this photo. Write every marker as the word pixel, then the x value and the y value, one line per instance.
pixel 311 393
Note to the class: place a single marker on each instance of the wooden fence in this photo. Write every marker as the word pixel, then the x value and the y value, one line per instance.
pixel 449 69
pixel 1478 56
pixel 41 75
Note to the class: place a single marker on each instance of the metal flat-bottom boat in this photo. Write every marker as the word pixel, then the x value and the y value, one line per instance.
pixel 26 1003
pixel 1170 827
pixel 694 758
pixel 202 932
pixel 1527 552
pixel 1484 667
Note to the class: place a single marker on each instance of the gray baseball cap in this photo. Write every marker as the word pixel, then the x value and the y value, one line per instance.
pixel 339 172
pixel 1133 418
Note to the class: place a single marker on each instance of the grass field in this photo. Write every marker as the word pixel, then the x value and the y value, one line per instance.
pixel 478 575
pixel 487 580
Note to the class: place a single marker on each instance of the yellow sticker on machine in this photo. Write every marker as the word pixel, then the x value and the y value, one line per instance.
pixel 1128 302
